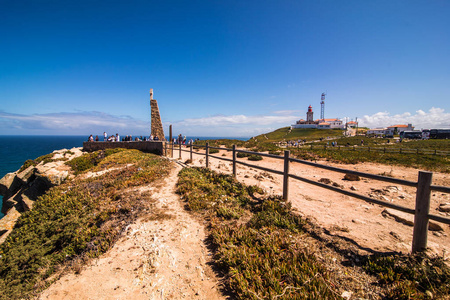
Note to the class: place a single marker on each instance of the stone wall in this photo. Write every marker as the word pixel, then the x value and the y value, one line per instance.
pixel 147 146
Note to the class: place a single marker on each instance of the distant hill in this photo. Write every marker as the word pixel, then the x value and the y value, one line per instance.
pixel 286 133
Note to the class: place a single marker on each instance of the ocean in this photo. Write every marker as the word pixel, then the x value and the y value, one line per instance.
pixel 15 149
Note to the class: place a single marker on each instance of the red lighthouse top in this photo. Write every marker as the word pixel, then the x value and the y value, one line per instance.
pixel 310 108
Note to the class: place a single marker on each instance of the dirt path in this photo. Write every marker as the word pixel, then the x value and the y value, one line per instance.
pixel 363 224
pixel 155 259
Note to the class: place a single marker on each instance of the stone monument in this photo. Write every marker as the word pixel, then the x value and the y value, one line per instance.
pixel 156 124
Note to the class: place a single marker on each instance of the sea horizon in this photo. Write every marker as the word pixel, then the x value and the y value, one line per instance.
pixel 16 149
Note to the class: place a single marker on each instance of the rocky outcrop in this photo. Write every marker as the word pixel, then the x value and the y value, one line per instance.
pixel 21 188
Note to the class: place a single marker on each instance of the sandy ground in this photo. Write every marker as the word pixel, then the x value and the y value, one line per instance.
pixel 167 259
pixel 161 259
pixel 359 222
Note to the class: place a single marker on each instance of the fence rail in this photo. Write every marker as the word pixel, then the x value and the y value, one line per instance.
pixel 423 186
pixel 375 149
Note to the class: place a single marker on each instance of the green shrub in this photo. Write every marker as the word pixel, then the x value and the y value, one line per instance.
pixel 212 151
pixel 242 155
pixel 255 157
pixel 410 276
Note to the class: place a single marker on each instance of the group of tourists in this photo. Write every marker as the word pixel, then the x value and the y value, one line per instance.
pixel 180 140
pixel 116 138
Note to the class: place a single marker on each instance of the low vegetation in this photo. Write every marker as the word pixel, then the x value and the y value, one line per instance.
pixel 265 251
pixel 77 220
pixel 428 162
pixel 254 241
pixel 424 154
pixel 34 162
pixel 286 133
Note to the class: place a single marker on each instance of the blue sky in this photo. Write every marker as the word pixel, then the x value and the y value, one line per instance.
pixel 221 68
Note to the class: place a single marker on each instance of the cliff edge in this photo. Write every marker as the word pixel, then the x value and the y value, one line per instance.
pixel 20 189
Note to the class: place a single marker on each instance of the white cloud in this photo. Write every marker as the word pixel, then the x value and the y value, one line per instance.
pixel 434 118
pixel 70 123
pixel 221 120
pixel 81 123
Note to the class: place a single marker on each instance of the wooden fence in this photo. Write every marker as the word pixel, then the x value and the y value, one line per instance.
pixel 375 149
pixel 424 187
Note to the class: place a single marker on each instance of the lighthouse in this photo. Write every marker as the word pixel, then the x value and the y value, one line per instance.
pixel 309 115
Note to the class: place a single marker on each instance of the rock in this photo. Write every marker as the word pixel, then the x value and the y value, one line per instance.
pixel 378 191
pixel 352 177
pixel 408 219
pixel 445 207
pixel 353 188
pixel 395 235
pixel 384 198
pixel 366 207
pixel 335 184
pixel 325 180
pixel 356 221
pixel 399 216
pixel 6 182
pixel 346 294
pixel 21 189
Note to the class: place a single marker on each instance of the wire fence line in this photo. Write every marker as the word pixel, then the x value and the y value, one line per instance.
pixel 373 149
pixel 423 186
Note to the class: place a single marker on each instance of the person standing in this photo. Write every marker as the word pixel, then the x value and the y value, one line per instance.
pixel 105 136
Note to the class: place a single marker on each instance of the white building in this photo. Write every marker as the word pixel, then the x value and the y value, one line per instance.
pixel 318 124
pixel 401 127
pixel 380 132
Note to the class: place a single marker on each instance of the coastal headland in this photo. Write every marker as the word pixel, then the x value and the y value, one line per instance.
pixel 124 223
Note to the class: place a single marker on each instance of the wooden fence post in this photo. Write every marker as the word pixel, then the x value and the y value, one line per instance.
pixel 207 158
pixel 171 152
pixel 234 160
pixel 420 235
pixel 179 156
pixel 286 175
pixel 191 152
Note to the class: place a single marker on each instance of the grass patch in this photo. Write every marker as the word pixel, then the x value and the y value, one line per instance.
pixel 411 276
pixel 255 157
pixel 76 221
pixel 286 133
pixel 428 162
pixel 89 160
pixel 34 162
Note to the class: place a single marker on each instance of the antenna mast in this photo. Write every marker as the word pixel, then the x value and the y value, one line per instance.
pixel 322 106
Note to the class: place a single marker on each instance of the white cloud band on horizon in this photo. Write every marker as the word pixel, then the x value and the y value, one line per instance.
pixel 93 122
pixel 434 118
